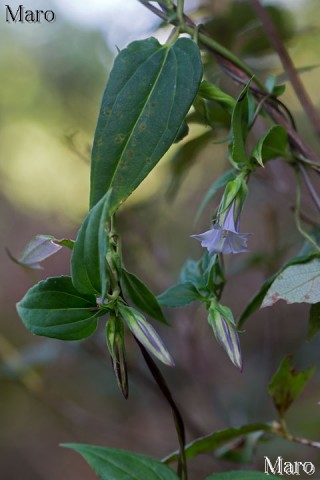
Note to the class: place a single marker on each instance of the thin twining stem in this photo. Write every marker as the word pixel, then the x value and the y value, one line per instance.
pixel 182 469
pixel 310 187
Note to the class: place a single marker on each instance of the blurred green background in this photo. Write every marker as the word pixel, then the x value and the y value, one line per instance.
pixel 52 78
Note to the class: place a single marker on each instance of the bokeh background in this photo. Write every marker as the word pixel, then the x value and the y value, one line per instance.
pixel 52 78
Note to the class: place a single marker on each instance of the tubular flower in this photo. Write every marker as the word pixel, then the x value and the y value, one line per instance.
pixel 224 236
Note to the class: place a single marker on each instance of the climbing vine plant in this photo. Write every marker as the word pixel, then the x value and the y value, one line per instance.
pixel 144 111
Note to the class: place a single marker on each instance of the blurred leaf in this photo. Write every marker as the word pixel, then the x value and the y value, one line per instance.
pixel 314 320
pixel 211 442
pixel 271 145
pixel 54 308
pixel 210 91
pixel 296 284
pixel 283 77
pixel 116 347
pixel 257 300
pixel 242 475
pixel 184 158
pixel 286 384
pixel 145 333
pixel 141 296
pixel 149 92
pixel 237 28
pixel 221 182
pixel 37 250
pixel 241 450
pixel 88 261
pixel 179 295
pixel 239 128
pixel 112 464
pixel 307 247
pixel 224 328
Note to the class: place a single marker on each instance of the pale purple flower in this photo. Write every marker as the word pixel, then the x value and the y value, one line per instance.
pixel 224 237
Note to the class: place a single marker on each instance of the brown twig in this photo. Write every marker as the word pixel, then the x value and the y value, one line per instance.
pixel 287 64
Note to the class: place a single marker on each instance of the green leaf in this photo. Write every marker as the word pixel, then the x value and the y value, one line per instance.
pixel 210 91
pixel 65 242
pixel 88 261
pixel 239 128
pixel 257 300
pixel 296 284
pixel 54 308
pixel 179 295
pixel 113 464
pixel 141 296
pixel 221 182
pixel 242 475
pixel 149 92
pixel 271 145
pixel 224 328
pixel 145 333
pixel 286 384
pixel 314 320
pixel 38 249
pixel 116 347
pixel 211 442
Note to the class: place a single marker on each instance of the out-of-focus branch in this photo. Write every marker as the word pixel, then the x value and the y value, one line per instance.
pixel 287 64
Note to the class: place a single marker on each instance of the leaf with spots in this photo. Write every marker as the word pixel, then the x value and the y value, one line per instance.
pixel 149 92
pixel 286 384
pixel 296 284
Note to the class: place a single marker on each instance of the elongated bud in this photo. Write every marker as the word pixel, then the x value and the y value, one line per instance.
pixel 225 330
pixel 145 333
pixel 116 347
pixel 235 193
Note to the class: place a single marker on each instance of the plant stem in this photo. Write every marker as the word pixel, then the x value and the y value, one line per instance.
pixel 310 187
pixel 178 420
pixel 287 64
pixel 297 215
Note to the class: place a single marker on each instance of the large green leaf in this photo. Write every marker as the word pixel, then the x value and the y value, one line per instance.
pixel 112 464
pixel 141 296
pixel 296 284
pixel 88 261
pixel 211 442
pixel 242 475
pixel 149 92
pixel 54 308
pixel 286 384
